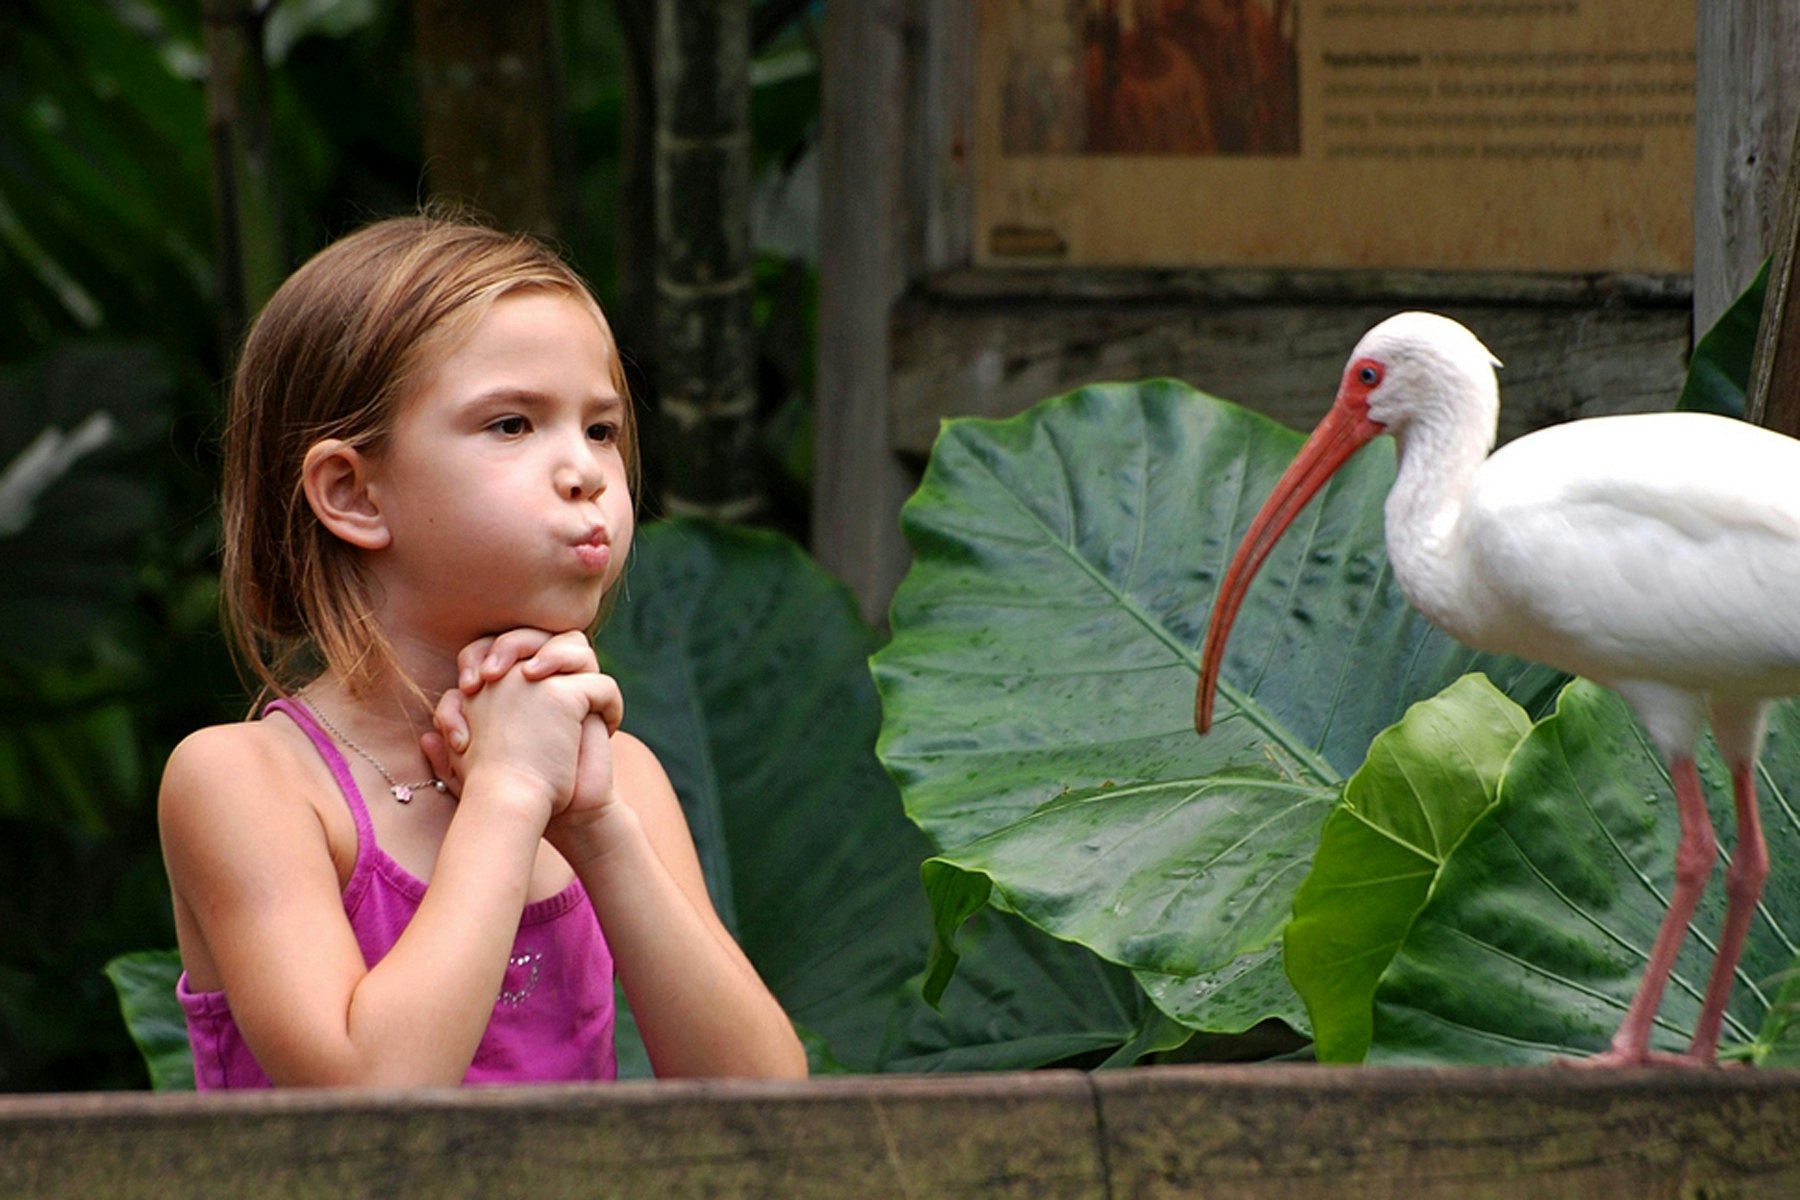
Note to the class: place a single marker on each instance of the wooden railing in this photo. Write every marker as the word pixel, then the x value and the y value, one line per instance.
pixel 1225 1132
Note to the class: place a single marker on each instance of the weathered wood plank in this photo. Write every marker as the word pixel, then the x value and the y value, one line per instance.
pixel 1231 1133
pixel 996 359
pixel 942 135
pixel 972 1137
pixel 1747 90
pixel 1297 1134
pixel 1772 396
pixel 1270 284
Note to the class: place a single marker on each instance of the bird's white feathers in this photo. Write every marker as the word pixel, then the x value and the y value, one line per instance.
pixel 1658 547
pixel 1660 550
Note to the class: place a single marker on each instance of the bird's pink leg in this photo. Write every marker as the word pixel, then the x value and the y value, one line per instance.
pixel 1694 860
pixel 1743 886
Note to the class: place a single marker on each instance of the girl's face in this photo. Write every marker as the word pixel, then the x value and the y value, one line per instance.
pixel 504 485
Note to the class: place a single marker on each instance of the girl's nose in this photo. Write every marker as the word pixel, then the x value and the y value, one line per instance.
pixel 578 480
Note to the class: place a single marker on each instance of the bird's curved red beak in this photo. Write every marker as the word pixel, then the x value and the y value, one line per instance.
pixel 1345 430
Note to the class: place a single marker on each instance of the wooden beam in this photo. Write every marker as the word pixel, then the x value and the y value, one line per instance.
pixel 1264 1133
pixel 992 358
pixel 1231 1133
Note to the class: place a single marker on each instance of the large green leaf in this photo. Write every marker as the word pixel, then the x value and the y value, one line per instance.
pixel 146 988
pixel 1044 652
pixel 1095 867
pixel 745 667
pixel 1426 781
pixel 1541 922
pixel 1024 1000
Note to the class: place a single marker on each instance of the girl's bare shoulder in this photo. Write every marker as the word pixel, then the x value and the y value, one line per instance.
pixel 220 778
pixel 242 754
pixel 636 767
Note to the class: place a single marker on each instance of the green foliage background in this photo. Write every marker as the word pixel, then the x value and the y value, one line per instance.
pixel 1032 706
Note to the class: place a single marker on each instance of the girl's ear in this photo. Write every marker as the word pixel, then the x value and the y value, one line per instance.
pixel 337 478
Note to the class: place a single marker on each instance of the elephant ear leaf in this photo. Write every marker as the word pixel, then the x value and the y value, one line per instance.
pixel 1427 780
pixel 745 668
pixel 1536 935
pixel 1038 691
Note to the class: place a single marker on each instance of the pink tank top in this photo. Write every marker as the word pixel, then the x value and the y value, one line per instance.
pixel 553 1019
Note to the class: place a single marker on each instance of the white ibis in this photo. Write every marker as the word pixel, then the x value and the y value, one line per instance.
pixel 1658 554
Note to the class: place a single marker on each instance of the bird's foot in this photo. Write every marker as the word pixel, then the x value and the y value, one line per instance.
pixel 1615 1057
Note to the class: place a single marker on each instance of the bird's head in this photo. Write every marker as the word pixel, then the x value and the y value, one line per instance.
pixel 1414 372
pixel 1419 368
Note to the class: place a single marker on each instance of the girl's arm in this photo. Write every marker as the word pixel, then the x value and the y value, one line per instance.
pixel 699 1004
pixel 256 885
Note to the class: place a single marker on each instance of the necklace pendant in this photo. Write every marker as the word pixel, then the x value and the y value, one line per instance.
pixel 402 793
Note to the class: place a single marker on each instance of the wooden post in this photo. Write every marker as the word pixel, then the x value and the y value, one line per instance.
pixel 1747 83
pixel 1772 397
pixel 858 483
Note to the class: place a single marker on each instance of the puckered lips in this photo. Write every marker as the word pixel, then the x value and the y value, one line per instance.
pixel 593 550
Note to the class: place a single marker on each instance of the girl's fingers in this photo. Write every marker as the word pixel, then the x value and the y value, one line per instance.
pixel 601 693
pixel 565 654
pixel 452 725
pixel 605 701
pixel 438 755
pixel 468 664
pixel 487 659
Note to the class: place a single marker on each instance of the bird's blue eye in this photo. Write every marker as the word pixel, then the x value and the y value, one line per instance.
pixel 1369 376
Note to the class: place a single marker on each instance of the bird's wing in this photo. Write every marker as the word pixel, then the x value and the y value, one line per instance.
pixel 1659 547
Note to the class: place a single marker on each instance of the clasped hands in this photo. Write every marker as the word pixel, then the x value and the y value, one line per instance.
pixel 533 705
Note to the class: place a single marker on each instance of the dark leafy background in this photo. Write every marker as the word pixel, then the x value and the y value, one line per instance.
pixel 110 301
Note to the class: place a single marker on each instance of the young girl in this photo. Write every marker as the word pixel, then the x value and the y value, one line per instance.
pixel 422 863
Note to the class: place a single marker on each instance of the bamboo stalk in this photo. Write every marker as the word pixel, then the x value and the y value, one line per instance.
pixel 706 358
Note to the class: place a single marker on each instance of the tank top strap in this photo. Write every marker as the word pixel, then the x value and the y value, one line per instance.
pixel 334 758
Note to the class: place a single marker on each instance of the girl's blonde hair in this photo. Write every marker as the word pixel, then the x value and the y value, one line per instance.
pixel 336 351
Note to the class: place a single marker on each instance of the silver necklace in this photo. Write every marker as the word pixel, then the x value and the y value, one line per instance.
pixel 403 792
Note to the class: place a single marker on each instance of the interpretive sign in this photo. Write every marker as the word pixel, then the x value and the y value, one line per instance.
pixel 1466 135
